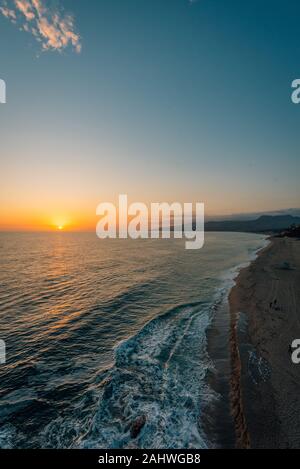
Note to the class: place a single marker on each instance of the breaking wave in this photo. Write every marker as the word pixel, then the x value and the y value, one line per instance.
pixel 155 394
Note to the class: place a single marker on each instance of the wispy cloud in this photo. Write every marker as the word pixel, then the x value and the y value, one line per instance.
pixel 8 13
pixel 54 29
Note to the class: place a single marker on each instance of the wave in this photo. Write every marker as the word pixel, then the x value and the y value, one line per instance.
pixel 156 392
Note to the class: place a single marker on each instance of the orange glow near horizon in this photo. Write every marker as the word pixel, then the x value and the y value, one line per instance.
pixel 59 213
pixel 27 218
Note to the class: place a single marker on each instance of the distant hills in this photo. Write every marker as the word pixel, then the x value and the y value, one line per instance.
pixel 262 224
pixel 294 212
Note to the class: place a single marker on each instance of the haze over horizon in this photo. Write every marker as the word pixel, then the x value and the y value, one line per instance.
pixel 164 101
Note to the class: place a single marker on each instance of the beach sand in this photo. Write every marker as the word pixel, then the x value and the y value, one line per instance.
pixel 265 384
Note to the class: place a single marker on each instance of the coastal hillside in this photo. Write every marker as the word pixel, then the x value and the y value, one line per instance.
pixel 264 223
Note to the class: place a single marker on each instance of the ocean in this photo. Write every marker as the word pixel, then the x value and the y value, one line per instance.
pixel 106 340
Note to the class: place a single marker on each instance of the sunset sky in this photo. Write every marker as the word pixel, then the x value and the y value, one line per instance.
pixel 163 100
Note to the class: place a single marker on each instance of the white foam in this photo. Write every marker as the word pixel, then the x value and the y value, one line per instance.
pixel 159 375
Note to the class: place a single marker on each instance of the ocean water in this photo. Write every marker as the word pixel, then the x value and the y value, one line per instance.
pixel 106 339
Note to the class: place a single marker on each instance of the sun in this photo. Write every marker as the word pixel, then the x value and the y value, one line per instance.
pixel 60 227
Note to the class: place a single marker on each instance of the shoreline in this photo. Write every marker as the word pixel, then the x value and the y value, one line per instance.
pixel 264 311
pixel 219 419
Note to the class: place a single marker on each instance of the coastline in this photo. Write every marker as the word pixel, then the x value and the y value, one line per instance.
pixel 264 309
pixel 219 421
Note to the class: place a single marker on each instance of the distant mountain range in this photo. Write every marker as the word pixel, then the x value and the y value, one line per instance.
pixel 262 224
pixel 295 212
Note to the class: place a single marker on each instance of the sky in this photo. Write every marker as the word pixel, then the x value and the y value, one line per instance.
pixel 163 100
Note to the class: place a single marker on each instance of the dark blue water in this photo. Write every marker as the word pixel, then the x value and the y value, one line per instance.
pixel 106 339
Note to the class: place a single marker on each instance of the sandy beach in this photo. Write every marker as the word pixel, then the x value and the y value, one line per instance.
pixel 265 319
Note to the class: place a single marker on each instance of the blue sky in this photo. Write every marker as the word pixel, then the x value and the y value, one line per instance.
pixel 162 99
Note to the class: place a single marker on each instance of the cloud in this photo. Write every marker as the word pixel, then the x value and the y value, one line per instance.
pixel 51 27
pixel 24 7
pixel 8 13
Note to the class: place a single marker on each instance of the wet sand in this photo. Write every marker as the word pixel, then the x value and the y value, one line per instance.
pixel 218 421
pixel 265 319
